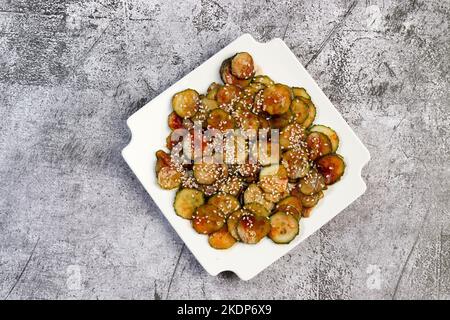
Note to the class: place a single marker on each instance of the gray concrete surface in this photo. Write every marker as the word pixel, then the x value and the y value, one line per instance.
pixel 75 223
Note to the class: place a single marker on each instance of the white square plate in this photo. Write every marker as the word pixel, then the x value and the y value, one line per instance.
pixel 149 131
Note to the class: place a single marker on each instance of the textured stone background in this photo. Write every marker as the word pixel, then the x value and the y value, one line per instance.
pixel 75 223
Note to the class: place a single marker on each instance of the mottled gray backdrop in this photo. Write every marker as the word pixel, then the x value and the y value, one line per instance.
pixel 75 222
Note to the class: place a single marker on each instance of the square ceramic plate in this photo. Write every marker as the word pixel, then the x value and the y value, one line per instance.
pixel 149 131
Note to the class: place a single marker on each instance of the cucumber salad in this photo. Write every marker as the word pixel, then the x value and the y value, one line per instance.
pixel 270 172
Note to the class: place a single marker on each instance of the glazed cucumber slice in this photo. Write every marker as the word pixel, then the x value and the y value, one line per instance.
pixel 300 110
pixel 296 163
pixel 274 179
pixel 208 219
pixel 318 145
pixel 265 80
pixel 163 159
pixel 220 119
pixel 185 103
pixel 208 104
pixel 290 204
pixel 225 202
pixel 246 119
pixel 311 115
pixel 212 90
pixel 257 86
pixel 242 66
pixel 301 92
pixel 253 193
pixel 275 196
pixel 257 209
pixel 174 121
pixel 284 228
pixel 252 228
pixel 233 220
pixel 312 200
pixel 281 121
pixel 276 99
pixel 169 178
pixel 228 78
pixel 232 186
pixel 187 201
pixel 206 173
pixel 221 239
pixel 330 133
pixel 332 167
pixel 228 94
pixel 313 182
pixel 293 136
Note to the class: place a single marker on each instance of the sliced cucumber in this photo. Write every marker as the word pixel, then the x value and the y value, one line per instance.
pixel 296 163
pixel 212 91
pixel 293 136
pixel 169 178
pixel 252 228
pixel 220 120
pixel 300 110
pixel 233 220
pixel 247 96
pixel 221 239
pixel 313 182
pixel 290 204
pixel 232 186
pixel 332 167
pixel 207 172
pixel 312 200
pixel 284 228
pixel 248 170
pixel 208 189
pixel 273 170
pixel 186 103
pixel 257 209
pixel 281 121
pixel 274 179
pixel 225 202
pixel 290 211
pixel 311 115
pixel 162 160
pixel 257 86
pixel 208 219
pixel 301 92
pixel 253 193
pixel 276 99
pixel 228 94
pixel 265 80
pixel 318 145
pixel 246 119
pixel 187 201
pixel 242 66
pixel 228 78
pixel 258 105
pixel 275 196
pixel 174 121
pixel 208 104
pixel 330 133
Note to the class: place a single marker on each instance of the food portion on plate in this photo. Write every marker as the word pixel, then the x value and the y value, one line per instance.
pixel 249 189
